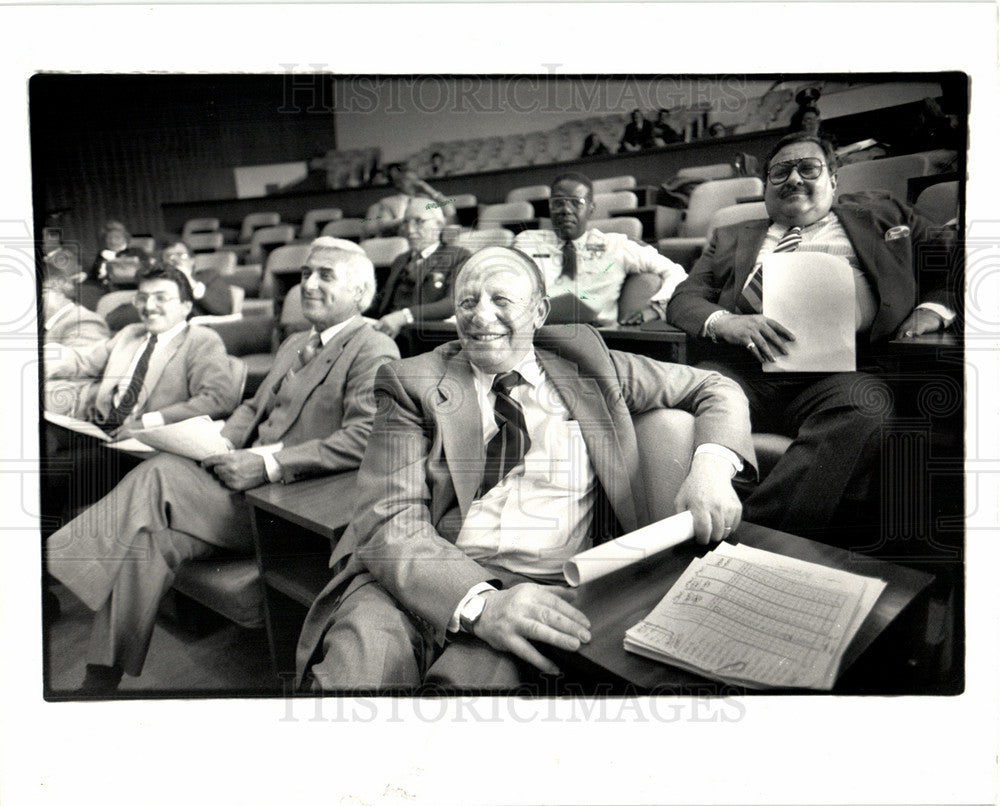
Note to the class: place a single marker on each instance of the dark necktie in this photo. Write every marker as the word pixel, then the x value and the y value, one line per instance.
pixel 751 301
pixel 509 445
pixel 130 396
pixel 569 260
pixel 308 350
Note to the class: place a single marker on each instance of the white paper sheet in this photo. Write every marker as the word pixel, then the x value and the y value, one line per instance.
pixel 196 438
pixel 627 549
pixel 811 294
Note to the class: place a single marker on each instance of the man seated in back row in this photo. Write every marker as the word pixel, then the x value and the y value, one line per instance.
pixel 419 284
pixel 311 416
pixel 826 474
pixel 591 265
pixel 489 465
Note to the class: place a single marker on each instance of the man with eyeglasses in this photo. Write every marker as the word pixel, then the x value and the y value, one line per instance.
pixel 419 285
pixel 160 370
pixel 823 482
pixel 592 265
pixel 311 416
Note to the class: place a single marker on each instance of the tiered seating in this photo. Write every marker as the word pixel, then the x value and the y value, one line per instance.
pixel 255 221
pixel 315 219
pixel 890 174
pixel 266 238
pixel 607 203
pixel 492 215
pixel 382 251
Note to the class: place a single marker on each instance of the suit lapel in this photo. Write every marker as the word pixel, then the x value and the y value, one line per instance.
pixel 461 425
pixel 158 363
pixel 118 360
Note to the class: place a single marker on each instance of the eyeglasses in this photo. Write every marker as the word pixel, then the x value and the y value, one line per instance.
pixel 560 202
pixel 159 298
pixel 807 168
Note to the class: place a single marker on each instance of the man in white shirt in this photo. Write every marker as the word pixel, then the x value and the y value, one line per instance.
pixel 592 265
pixel 311 416
pixel 489 465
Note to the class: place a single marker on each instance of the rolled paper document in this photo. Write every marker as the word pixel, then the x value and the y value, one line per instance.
pixel 627 549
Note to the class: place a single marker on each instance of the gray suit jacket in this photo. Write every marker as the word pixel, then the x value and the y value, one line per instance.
pixel 325 425
pixel 191 376
pixel 425 462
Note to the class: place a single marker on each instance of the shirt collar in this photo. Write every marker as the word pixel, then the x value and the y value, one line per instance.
pixel 428 251
pixel 527 367
pixel 333 330
pixel 167 335
pixel 51 321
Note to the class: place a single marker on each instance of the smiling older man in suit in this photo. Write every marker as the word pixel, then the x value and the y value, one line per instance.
pixel 822 482
pixel 494 459
pixel 310 416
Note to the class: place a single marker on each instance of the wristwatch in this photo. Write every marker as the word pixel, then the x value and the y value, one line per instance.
pixel 471 613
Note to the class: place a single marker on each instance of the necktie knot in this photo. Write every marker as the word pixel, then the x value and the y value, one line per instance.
pixel 309 349
pixel 506 381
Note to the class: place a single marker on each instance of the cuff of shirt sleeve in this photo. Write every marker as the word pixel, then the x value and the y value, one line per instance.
pixel 723 453
pixel 946 314
pixel 408 315
pixel 453 625
pixel 271 465
pixel 152 419
pixel 707 330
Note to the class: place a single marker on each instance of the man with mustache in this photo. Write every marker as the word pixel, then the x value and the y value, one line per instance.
pixel 492 460
pixel 824 479
pixel 592 265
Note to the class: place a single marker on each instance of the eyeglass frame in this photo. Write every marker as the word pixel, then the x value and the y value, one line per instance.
pixel 140 299
pixel 795 165
pixel 557 202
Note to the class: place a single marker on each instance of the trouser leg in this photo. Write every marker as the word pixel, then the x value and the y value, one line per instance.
pixel 123 626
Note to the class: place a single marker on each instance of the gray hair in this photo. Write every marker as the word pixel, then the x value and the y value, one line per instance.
pixel 360 269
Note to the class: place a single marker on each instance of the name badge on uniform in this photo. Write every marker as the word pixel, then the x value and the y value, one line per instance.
pixel 897 232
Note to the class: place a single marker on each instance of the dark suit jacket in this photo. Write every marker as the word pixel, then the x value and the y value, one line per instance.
pixel 329 416
pixel 891 266
pixel 431 296
pixel 190 377
pixel 425 459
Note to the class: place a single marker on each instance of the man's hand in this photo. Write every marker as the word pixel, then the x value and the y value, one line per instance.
pixel 391 323
pixel 127 431
pixel 640 316
pixel 708 493
pixel 530 612
pixel 239 470
pixel 920 321
pixel 755 333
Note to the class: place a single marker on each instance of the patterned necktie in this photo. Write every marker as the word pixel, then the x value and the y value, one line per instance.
pixel 130 396
pixel 509 445
pixel 569 260
pixel 751 301
pixel 308 350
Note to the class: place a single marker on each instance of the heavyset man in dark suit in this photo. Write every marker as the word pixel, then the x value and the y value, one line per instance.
pixel 493 459
pixel 419 285
pixel 824 478
pixel 311 416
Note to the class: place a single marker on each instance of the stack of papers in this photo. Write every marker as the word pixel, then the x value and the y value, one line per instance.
pixel 757 619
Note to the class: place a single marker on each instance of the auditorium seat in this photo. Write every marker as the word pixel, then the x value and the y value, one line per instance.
pixel 529 193
pixel 349 228
pixel 492 215
pixel 266 238
pixel 480 239
pixel 193 225
pixel 287 261
pixel 939 203
pixel 314 219
pixel 147 243
pixel 113 299
pixel 254 221
pixel 203 241
pixel 706 199
pixel 607 203
pixel 382 251
pixel 891 174
pixel 613 183
pixel 626 225
pixel 721 170
pixel 219 262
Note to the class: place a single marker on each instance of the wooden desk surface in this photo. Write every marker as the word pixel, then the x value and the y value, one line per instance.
pixel 611 613
pixel 323 505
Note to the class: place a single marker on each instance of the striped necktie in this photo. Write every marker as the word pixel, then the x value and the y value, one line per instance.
pixel 509 445
pixel 119 414
pixel 751 301
pixel 307 352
